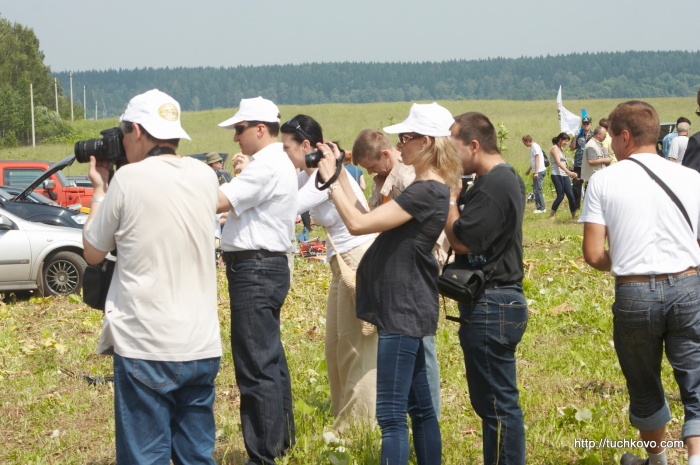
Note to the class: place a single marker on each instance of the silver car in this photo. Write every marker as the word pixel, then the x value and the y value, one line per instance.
pixel 36 256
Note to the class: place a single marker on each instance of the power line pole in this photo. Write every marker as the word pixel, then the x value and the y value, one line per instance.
pixel 71 96
pixel 31 98
pixel 55 91
pixel 84 105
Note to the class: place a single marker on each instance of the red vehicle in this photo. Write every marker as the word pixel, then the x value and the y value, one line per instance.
pixel 312 248
pixel 47 178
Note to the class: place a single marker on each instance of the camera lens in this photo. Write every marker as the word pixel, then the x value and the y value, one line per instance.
pixel 84 148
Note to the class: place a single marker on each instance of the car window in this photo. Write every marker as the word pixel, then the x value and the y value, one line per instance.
pixel 21 177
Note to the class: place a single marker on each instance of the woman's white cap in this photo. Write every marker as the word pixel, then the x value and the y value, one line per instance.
pixel 426 119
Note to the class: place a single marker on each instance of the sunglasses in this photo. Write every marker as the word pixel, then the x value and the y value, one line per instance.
pixel 294 124
pixel 404 138
pixel 239 129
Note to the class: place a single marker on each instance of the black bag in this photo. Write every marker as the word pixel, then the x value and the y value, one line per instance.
pixel 546 160
pixel 96 281
pixel 460 284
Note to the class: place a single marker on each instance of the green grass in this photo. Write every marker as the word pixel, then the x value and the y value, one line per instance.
pixel 569 378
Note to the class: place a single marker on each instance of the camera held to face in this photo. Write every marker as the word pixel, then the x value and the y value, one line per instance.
pixel 109 148
pixel 312 159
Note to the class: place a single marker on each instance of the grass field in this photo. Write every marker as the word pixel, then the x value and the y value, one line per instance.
pixel 570 382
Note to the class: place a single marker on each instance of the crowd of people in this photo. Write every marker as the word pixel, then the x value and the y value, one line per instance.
pixel 380 324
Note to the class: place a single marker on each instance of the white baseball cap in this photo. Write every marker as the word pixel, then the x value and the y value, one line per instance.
pixel 254 109
pixel 426 119
pixel 158 113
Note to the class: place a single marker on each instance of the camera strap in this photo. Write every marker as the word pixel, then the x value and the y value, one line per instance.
pixel 158 150
pixel 320 185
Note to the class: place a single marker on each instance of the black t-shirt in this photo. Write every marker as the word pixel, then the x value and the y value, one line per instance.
pixel 491 225
pixel 397 276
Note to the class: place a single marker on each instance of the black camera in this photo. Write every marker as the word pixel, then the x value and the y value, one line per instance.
pixel 312 159
pixel 109 148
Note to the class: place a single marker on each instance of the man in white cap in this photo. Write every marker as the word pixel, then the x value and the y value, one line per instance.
pixel 257 236
pixel 161 322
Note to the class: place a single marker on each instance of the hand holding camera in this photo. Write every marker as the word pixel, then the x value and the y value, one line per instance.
pixel 329 162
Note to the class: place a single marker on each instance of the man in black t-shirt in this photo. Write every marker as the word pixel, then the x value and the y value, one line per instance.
pixel 487 234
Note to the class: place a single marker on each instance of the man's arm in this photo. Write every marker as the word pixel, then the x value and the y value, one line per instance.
pixel 223 204
pixel 594 251
pixel 452 216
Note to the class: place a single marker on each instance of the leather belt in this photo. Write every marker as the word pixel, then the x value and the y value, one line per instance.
pixel 645 278
pixel 250 254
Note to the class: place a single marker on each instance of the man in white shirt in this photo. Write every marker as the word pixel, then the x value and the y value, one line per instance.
pixel 538 170
pixel 161 320
pixel 654 255
pixel 261 204
pixel 594 156
pixel 679 143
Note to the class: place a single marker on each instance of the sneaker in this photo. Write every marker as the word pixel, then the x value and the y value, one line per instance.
pixel 540 211
pixel 631 459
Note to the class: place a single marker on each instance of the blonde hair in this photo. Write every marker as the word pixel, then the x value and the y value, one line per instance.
pixel 441 156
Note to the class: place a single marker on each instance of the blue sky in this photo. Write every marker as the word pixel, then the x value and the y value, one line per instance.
pixel 95 34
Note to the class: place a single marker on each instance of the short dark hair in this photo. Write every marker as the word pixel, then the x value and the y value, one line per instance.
pixel 527 138
pixel 639 119
pixel 682 119
pixel 476 126
pixel 561 136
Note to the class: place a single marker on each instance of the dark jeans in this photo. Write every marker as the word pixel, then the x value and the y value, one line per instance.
pixel 164 411
pixel 257 289
pixel 537 190
pixel 648 318
pixel 402 386
pixel 562 184
pixel 489 334
pixel 577 187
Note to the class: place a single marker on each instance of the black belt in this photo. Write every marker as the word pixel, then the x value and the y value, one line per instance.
pixel 250 255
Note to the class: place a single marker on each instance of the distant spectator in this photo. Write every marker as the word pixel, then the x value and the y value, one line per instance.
pixel 666 141
pixel 538 171
pixel 607 142
pixel 561 175
pixel 354 170
pixel 216 163
pixel 595 158
pixel 679 143
pixel 578 143
pixel 691 159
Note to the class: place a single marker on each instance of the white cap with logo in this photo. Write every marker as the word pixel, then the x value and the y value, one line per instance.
pixel 158 113
pixel 254 109
pixel 426 119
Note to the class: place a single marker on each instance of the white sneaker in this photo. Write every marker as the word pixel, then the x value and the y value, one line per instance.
pixel 540 211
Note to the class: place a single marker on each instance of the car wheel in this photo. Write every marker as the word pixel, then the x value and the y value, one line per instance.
pixel 63 274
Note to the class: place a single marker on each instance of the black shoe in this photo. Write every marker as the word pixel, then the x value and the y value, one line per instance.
pixel 631 459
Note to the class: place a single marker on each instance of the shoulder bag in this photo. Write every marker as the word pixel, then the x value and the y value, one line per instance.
pixel 96 281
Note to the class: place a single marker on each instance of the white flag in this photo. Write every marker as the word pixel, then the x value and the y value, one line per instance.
pixel 569 122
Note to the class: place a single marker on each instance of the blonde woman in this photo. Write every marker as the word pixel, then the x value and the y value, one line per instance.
pixel 397 277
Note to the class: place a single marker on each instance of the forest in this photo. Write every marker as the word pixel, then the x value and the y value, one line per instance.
pixel 582 76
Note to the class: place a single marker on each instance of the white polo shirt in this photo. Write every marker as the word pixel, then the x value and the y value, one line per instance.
pixel 264 200
pixel 647 233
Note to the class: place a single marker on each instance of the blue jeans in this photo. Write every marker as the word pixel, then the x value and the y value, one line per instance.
pixel 432 370
pixel 402 386
pixel 537 189
pixel 489 333
pixel 562 184
pixel 164 411
pixel 257 289
pixel 647 318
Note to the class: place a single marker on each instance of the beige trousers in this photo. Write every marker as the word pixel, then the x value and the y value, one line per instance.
pixel 351 357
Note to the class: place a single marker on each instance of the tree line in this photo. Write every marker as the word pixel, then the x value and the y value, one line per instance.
pixel 583 76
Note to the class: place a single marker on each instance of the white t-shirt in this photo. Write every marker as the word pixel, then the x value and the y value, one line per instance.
pixel 264 199
pixel 535 149
pixel 677 148
pixel 162 301
pixel 647 232
pixel 323 210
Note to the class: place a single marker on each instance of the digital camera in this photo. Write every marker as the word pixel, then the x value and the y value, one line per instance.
pixel 108 148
